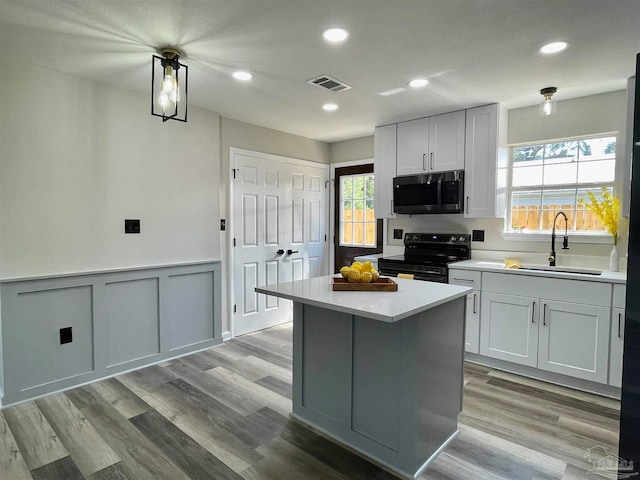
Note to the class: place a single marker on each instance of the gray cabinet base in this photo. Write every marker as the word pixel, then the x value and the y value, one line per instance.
pixel 390 391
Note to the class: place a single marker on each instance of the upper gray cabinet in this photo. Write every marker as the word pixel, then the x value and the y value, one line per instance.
pixel 413 146
pixel 486 161
pixel 384 167
pixel 446 142
pixel 434 144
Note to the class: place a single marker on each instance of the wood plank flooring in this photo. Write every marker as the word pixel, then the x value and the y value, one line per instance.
pixel 223 414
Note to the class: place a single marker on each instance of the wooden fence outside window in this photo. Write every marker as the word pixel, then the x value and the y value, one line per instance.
pixel 528 217
pixel 356 230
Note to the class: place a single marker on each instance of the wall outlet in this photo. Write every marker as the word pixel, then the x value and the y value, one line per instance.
pixel 397 233
pixel 131 226
pixel 66 335
pixel 477 236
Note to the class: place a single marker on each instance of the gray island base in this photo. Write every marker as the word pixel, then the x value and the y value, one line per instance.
pixel 380 372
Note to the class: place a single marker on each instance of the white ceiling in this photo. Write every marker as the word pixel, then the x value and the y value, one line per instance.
pixel 473 51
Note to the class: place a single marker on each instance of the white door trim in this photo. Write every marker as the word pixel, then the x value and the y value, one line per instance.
pixel 231 214
pixel 332 196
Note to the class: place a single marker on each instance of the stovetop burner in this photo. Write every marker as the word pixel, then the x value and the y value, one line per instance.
pixel 426 255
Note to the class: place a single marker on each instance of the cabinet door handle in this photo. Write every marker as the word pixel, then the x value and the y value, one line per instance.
pixel 424 159
pixel 431 161
pixel 464 280
pixel 619 325
pixel 533 313
pixel 475 296
pixel 544 315
pixel 467 205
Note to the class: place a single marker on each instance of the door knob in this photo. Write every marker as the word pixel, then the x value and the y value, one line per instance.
pixel 289 252
pixel 280 252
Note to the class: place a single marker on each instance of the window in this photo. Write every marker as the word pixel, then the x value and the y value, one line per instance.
pixel 552 177
pixel 357 217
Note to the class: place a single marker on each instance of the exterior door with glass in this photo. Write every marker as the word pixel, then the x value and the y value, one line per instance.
pixel 356 229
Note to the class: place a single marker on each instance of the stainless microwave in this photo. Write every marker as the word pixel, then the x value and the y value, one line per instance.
pixel 441 192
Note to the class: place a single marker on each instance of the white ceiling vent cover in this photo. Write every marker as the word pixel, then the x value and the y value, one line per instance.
pixel 329 83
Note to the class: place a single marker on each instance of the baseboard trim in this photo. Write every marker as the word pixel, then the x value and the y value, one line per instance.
pixel 550 377
pixel 226 336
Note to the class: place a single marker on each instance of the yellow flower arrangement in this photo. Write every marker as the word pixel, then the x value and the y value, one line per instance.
pixel 607 210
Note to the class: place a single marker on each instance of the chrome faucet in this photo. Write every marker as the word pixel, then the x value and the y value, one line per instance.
pixel 565 241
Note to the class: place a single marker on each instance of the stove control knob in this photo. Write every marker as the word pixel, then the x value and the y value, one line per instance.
pixel 461 239
pixel 416 237
pixel 453 239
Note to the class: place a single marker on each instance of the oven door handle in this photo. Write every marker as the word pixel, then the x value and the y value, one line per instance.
pixel 439 192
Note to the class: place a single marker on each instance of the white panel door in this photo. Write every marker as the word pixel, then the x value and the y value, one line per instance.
pixel 574 340
pixel 509 328
pixel 279 212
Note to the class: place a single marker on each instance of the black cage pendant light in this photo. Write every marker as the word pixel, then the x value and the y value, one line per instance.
pixel 169 80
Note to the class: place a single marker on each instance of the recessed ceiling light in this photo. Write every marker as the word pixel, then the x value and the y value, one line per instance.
pixel 241 75
pixel 335 34
pixel 330 107
pixel 418 82
pixel 553 47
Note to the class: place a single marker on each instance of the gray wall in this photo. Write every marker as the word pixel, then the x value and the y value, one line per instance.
pixel 349 150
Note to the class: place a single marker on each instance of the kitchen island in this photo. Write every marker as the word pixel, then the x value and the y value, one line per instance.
pixel 380 372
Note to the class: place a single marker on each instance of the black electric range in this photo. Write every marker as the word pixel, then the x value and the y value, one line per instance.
pixel 426 256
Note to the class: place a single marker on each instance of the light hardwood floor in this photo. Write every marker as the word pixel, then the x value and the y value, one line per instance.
pixel 223 414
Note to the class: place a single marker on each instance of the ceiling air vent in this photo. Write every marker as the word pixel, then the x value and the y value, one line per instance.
pixel 329 83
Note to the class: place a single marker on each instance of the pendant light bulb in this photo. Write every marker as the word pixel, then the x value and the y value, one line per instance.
pixel 548 106
pixel 170 77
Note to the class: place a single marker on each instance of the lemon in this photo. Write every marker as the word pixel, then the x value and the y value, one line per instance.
pixel 356 266
pixel 367 267
pixel 344 271
pixel 354 276
pixel 366 277
pixel 374 275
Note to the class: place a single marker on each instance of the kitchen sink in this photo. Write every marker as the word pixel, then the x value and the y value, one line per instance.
pixel 541 268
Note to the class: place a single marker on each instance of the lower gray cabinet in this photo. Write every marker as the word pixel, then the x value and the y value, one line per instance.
pixel 509 328
pixel 574 340
pixel 617 347
pixel 560 337
pixel 472 324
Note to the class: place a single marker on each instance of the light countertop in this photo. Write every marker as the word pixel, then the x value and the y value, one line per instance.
pixel 498 267
pixel 413 296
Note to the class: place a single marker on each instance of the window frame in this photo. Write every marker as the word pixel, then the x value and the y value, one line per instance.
pixel 353 199
pixel 584 236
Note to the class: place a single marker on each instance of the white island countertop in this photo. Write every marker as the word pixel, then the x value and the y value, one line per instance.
pixel 413 296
